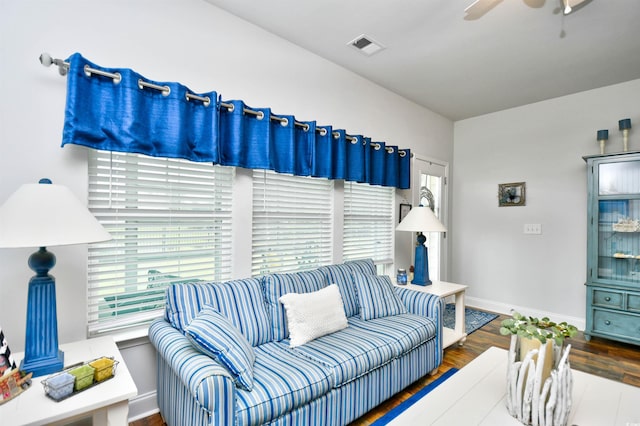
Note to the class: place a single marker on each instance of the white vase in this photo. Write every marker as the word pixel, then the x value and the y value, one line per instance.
pixel 539 382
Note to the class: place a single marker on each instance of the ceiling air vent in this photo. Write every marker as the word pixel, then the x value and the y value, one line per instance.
pixel 366 45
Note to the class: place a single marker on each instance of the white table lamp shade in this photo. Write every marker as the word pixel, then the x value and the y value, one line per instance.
pixel 421 219
pixel 43 215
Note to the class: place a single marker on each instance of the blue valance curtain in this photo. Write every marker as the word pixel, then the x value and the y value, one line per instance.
pixel 117 109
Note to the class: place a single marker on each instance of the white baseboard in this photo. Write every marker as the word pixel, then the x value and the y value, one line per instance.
pixel 503 308
pixel 143 406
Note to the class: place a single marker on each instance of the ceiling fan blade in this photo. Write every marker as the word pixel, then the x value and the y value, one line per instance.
pixel 534 4
pixel 570 6
pixel 479 8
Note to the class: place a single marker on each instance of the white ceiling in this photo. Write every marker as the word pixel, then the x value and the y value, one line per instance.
pixel 504 54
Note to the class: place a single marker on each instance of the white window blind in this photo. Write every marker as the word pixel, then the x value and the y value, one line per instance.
pixel 292 222
pixel 171 222
pixel 368 222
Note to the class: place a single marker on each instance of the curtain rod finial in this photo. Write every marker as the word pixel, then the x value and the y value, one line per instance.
pixel 47 60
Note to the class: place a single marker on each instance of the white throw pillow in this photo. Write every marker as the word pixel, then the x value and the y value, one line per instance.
pixel 311 315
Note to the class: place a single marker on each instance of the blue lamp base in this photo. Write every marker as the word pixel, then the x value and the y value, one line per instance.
pixel 43 366
pixel 41 354
pixel 421 268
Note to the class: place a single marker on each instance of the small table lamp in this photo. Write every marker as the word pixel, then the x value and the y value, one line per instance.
pixel 421 219
pixel 603 136
pixel 40 215
pixel 625 126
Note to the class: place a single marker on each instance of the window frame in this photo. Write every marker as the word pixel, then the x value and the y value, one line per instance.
pixel 131 195
pixel 369 214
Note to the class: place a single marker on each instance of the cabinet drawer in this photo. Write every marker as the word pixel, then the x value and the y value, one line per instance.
pixel 616 323
pixel 609 299
pixel 633 302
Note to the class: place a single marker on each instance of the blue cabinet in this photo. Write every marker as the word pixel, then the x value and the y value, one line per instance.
pixel 613 247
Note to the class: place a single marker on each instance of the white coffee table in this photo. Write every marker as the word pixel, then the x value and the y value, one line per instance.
pixel 446 289
pixel 107 403
pixel 476 394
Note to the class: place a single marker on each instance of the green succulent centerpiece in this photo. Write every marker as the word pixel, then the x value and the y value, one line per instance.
pixel 533 328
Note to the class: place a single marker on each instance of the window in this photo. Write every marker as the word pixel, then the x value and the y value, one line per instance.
pixel 171 222
pixel 292 222
pixel 368 222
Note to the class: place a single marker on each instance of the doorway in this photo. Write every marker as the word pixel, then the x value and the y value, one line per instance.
pixel 430 189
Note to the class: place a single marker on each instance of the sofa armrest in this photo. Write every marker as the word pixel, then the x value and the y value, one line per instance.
pixel 424 304
pixel 208 382
pixel 421 303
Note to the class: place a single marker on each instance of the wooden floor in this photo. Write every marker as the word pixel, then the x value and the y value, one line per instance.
pixel 605 358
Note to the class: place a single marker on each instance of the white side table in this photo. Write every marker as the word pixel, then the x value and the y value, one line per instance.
pixel 445 289
pixel 107 403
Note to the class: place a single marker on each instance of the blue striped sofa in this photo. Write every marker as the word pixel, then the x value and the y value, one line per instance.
pixel 331 380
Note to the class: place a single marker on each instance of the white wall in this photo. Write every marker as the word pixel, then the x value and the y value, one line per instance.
pixel 188 41
pixel 541 144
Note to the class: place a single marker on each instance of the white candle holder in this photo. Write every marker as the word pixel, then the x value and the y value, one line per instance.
pixel 602 142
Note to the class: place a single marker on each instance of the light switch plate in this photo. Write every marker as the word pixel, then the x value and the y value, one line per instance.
pixel 533 228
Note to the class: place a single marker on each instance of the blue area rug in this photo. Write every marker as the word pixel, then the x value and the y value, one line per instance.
pixel 392 414
pixel 473 319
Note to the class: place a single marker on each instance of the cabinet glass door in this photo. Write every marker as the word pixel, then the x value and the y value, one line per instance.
pixel 619 221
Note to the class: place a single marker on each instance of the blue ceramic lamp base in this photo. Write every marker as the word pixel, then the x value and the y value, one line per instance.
pixel 421 268
pixel 42 355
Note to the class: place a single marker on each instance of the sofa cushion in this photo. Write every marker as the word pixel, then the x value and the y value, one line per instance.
pixel 281 383
pixel 312 315
pixel 348 353
pixel 377 297
pixel 214 335
pixel 277 285
pixel 241 301
pixel 405 331
pixel 341 276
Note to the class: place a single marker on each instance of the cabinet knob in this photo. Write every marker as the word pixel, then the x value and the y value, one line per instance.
pixel 608 299
pixel 607 322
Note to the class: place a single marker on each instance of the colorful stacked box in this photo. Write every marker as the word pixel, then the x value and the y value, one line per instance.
pixel 59 386
pixel 103 369
pixel 79 377
pixel 83 375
